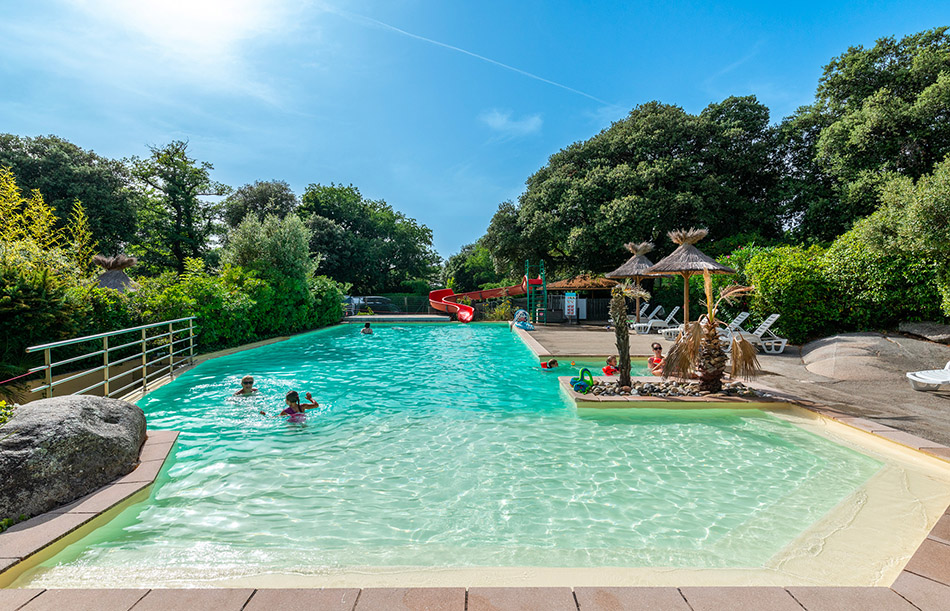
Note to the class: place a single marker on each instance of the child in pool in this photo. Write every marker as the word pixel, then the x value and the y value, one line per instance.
pixel 611 367
pixel 296 411
pixel 552 364
pixel 366 330
pixel 247 386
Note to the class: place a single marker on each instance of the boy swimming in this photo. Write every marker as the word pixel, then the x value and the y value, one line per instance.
pixel 611 367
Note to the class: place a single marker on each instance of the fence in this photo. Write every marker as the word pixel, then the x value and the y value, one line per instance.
pixel 139 351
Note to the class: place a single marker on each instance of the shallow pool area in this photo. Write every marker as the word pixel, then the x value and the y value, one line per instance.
pixel 446 448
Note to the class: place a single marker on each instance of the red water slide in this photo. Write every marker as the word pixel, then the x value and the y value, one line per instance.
pixel 445 300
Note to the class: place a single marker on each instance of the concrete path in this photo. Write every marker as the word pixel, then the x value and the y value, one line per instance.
pixel 592 340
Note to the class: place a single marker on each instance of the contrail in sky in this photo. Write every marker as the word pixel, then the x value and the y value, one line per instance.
pixel 469 53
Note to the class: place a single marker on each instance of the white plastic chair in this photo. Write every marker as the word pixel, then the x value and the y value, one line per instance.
pixel 643 309
pixel 764 338
pixel 931 379
pixel 645 327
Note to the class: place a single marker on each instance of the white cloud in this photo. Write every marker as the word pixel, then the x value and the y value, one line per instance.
pixel 501 122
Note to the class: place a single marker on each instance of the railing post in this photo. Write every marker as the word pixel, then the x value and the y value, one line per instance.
pixel 144 368
pixel 171 349
pixel 105 363
pixel 49 374
pixel 191 341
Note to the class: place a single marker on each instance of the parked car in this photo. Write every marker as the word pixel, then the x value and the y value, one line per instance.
pixel 378 305
pixel 354 305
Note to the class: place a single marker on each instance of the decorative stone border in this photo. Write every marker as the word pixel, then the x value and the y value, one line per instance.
pixel 22 545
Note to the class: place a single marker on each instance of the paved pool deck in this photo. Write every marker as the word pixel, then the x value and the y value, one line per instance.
pixel 861 374
pixel 910 595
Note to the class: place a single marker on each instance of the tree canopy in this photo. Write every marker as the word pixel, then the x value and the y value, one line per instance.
pixel 658 169
pixel 261 198
pixel 176 223
pixel 365 242
pixel 878 112
pixel 64 173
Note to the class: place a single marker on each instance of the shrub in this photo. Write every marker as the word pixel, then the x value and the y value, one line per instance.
pixel 791 281
pixel 6 412
pixel 36 307
pixel 880 288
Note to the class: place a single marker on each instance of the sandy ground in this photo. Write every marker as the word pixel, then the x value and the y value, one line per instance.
pixel 859 373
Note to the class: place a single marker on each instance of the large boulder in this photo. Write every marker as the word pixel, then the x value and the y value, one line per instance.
pixel 54 451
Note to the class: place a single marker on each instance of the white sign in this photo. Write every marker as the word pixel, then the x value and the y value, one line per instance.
pixel 570 305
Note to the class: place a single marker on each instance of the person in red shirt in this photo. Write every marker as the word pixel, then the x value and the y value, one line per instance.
pixel 655 362
pixel 552 364
pixel 611 368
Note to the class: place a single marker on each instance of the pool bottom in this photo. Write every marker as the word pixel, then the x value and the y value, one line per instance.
pixel 865 541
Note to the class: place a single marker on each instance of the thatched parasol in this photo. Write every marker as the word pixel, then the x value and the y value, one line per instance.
pixel 114 277
pixel 685 261
pixel 583 282
pixel 634 267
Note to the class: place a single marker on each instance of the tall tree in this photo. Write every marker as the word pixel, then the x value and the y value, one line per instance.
pixel 365 242
pixel 878 112
pixel 176 223
pixel 638 179
pixel 64 173
pixel 261 198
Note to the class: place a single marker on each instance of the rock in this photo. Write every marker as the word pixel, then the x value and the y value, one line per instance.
pixel 54 451
pixel 935 332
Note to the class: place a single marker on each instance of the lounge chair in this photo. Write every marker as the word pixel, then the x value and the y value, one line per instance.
pixel 725 334
pixel 643 310
pixel 655 323
pixel 763 337
pixel 931 379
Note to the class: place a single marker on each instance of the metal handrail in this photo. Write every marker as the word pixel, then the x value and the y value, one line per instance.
pixel 77 340
pixel 167 347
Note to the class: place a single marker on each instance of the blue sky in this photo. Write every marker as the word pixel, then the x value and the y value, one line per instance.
pixel 443 109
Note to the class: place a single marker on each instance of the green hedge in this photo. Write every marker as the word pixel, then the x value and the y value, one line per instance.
pixel 850 286
pixel 233 307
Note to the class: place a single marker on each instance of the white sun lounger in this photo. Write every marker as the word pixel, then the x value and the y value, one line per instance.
pixel 643 310
pixel 764 338
pixel 931 379
pixel 655 323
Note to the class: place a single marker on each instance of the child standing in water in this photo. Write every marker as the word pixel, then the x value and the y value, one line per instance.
pixel 611 367
pixel 366 330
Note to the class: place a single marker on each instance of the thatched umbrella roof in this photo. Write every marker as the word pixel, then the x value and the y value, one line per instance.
pixel 583 282
pixel 114 278
pixel 687 260
pixel 635 266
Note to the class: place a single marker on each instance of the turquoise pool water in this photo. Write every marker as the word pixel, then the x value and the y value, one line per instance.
pixel 447 446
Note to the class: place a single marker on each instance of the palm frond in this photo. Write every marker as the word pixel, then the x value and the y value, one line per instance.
pixel 687 236
pixel 745 361
pixel 685 352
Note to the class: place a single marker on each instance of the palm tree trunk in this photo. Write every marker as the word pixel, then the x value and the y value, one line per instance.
pixel 711 364
pixel 618 311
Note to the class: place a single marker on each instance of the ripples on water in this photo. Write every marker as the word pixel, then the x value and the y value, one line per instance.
pixel 446 445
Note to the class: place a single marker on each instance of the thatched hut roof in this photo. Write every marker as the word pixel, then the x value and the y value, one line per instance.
pixel 114 277
pixel 687 258
pixel 583 282
pixel 118 280
pixel 636 264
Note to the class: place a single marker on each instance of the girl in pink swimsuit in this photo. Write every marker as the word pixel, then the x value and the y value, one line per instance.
pixel 296 411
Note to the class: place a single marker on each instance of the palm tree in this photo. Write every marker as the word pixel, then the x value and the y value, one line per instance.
pixel 618 311
pixel 699 347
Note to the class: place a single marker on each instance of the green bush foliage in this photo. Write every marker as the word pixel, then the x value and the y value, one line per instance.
pixel 792 281
pixel 878 289
pixel 6 412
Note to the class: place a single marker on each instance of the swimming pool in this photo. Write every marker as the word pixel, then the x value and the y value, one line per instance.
pixel 447 447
